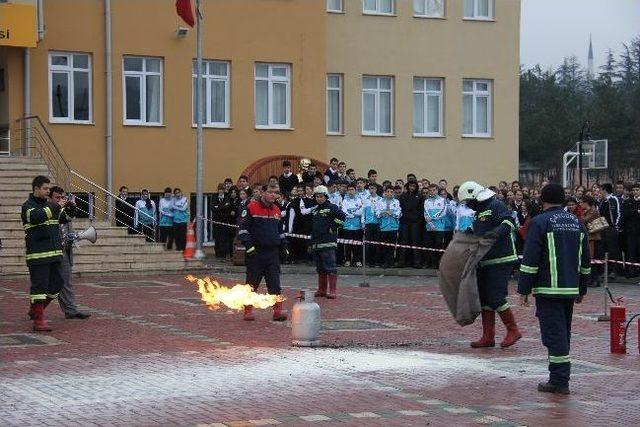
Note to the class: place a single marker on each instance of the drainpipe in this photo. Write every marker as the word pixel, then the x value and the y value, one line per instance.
pixel 40 21
pixel 26 95
pixel 108 136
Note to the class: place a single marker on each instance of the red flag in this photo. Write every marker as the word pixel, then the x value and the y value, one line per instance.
pixel 183 7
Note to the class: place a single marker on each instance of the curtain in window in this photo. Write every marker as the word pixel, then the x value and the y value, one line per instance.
pixel 467 9
pixel 483 7
pixel 418 113
pixel 218 105
pixel 385 112
pixel 433 114
pixel 369 106
pixel 334 111
pixel 279 104
pixel 435 7
pixel 262 102
pixel 467 114
pixel 482 122
pixel 386 6
pixel 153 98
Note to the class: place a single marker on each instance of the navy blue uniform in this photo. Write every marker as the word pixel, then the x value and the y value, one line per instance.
pixel 262 236
pixel 327 219
pixel 495 268
pixel 556 268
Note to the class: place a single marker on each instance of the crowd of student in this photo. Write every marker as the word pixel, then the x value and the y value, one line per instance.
pixel 410 212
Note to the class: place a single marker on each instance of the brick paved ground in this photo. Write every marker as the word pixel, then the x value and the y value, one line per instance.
pixel 151 355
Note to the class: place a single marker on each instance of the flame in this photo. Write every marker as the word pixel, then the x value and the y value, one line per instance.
pixel 214 295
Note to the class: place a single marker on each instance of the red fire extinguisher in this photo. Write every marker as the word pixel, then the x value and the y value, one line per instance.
pixel 617 322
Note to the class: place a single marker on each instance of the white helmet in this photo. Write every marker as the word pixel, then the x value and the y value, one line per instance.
pixel 321 189
pixel 471 190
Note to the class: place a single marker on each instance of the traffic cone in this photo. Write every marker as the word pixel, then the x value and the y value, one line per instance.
pixel 190 248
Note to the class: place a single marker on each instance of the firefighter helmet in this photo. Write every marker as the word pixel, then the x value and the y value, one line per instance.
pixel 471 190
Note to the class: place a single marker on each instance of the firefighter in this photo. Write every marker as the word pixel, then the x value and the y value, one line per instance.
pixel 41 219
pixel 556 268
pixel 327 219
pixel 261 234
pixel 494 221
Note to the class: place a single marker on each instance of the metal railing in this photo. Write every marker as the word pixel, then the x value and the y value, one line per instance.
pixel 30 138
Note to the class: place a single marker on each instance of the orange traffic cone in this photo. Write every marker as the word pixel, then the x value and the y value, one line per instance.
pixel 190 248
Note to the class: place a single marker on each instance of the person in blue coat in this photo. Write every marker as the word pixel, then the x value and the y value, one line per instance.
pixel 493 220
pixel 556 268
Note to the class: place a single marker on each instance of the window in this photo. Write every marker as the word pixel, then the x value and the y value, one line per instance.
pixel 335 6
pixel 142 90
pixel 273 96
pixel 334 103
pixel 378 7
pixel 476 108
pixel 215 76
pixel 428 8
pixel 427 106
pixel 70 88
pixel 377 105
pixel 477 9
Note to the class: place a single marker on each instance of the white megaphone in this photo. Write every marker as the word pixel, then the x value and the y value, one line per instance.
pixel 89 234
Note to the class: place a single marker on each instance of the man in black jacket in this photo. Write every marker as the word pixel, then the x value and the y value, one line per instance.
pixel 631 213
pixel 611 209
pixel 411 203
pixel 288 179
pixel 41 221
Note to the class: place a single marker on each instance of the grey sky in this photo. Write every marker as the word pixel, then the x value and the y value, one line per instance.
pixel 553 29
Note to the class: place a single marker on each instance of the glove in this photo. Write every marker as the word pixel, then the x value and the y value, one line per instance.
pixel 251 251
pixel 491 235
pixel 284 252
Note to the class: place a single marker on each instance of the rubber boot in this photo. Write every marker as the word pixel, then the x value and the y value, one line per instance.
pixel 333 282
pixel 39 323
pixel 513 334
pixel 488 330
pixel 322 285
pixel 32 313
pixel 248 313
pixel 550 388
pixel 279 315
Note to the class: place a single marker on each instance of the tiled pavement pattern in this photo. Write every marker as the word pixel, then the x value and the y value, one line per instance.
pixel 392 356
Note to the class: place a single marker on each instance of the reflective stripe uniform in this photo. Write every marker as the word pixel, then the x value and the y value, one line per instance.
pixel 41 221
pixel 556 268
pixel 327 220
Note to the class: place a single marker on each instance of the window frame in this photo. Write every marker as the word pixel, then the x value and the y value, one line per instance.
pixel 377 93
pixel 207 80
pixel 427 93
pixel 340 90
pixel 143 92
pixel 341 10
pixel 477 94
pixel 69 70
pixel 426 16
pixel 377 11
pixel 270 79
pixel 490 17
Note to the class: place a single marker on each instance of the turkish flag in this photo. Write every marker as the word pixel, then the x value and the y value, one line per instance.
pixel 183 7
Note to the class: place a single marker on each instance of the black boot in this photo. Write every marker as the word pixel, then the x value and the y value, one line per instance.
pixel 550 388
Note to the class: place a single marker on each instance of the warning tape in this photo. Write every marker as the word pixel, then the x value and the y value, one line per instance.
pixel 398 245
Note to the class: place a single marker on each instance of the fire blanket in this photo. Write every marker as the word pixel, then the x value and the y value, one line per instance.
pixel 458 280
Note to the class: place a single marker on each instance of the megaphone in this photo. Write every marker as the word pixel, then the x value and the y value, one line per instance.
pixel 89 234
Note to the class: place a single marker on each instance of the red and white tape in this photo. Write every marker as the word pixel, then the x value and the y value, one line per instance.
pixel 397 245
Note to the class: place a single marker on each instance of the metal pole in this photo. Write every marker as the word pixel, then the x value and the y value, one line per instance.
pixel 27 100
pixel 199 143
pixel 108 133
pixel 605 317
pixel 365 282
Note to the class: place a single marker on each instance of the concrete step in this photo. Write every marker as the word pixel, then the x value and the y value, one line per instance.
pixel 11 180
pixel 21 160
pixel 11 209
pixel 14 194
pixel 10 223
pixel 15 270
pixel 24 173
pixel 13 199
pixel 107 257
pixel 98 249
pixel 37 167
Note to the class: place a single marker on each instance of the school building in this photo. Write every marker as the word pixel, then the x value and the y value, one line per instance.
pixel 423 86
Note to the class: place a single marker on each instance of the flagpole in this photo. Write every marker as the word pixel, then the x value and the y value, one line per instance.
pixel 199 142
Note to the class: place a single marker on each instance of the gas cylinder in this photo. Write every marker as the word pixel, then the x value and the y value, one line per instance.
pixel 305 322
pixel 618 320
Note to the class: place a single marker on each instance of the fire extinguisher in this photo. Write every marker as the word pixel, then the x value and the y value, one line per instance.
pixel 618 331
